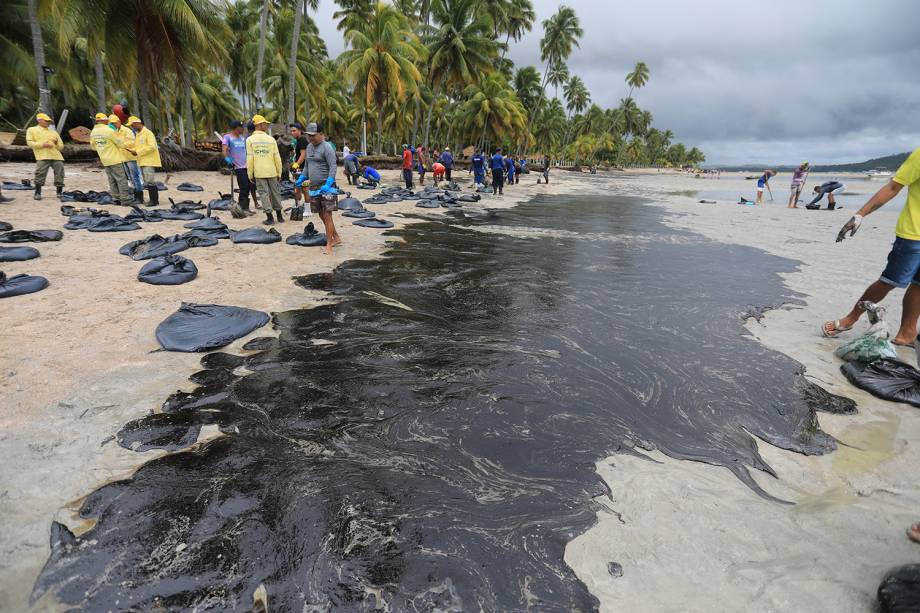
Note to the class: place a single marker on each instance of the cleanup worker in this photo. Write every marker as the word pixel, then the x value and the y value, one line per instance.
pixel 233 146
pixel 299 144
pixel 509 169
pixel 104 141
pixel 407 166
pixel 320 171
pixel 478 164
pixel 129 144
pixel 263 165
pixel 46 144
pixel 497 165
pixel 830 188
pixel 371 176
pixel 351 166
pixel 421 164
pixel 447 158
pixel 545 169
pixel 148 158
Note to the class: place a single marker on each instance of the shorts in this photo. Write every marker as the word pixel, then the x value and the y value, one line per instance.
pixel 796 189
pixel 903 263
pixel 323 204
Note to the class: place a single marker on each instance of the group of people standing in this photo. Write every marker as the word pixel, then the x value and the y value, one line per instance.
pixel 799 177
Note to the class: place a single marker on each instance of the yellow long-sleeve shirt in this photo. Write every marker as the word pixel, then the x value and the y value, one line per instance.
pixel 105 142
pixel 126 140
pixel 37 136
pixel 148 152
pixel 262 158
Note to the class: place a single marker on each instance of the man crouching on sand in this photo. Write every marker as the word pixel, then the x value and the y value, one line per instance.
pixel 903 267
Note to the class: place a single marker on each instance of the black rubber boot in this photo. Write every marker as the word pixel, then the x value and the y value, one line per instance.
pixel 153 195
pixel 38 193
pixel 139 197
pixel 278 215
pixel 60 191
pixel 268 219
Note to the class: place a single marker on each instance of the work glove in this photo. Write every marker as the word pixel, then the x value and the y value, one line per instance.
pixel 851 226
pixel 295 166
pixel 300 181
pixel 228 161
pixel 327 186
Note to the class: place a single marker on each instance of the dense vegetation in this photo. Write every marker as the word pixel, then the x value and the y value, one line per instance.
pixel 425 71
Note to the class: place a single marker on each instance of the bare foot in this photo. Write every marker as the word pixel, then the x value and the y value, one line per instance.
pixel 328 250
pixel 913 533
pixel 909 342
pixel 337 242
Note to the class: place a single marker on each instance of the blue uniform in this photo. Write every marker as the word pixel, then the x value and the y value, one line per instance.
pixel 371 175
pixel 509 169
pixel 497 165
pixel 479 168
pixel 498 162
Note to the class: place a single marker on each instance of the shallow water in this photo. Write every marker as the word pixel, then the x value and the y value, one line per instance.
pixel 426 439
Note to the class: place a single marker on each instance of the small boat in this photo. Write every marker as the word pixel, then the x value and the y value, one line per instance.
pixel 879 173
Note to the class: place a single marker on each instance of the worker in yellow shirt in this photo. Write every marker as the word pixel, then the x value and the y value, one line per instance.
pixel 46 144
pixel 148 157
pixel 129 144
pixel 105 142
pixel 263 164
pixel 903 267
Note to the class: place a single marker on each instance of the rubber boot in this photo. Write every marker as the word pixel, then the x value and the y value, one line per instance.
pixel 153 195
pixel 268 219
pixel 38 193
pixel 278 215
pixel 60 191
pixel 139 197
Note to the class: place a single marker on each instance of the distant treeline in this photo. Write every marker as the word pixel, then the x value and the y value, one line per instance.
pixel 891 162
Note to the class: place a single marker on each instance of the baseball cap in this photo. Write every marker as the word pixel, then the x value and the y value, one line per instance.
pixel 257 119
pixel 133 119
pixel 236 123
pixel 101 117
pixel 113 118
pixel 297 125
pixel 314 128
pixel 42 116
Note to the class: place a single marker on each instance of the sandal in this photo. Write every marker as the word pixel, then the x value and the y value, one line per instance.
pixel 836 328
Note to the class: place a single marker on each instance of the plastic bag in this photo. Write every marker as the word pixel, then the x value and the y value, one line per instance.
pixel 874 344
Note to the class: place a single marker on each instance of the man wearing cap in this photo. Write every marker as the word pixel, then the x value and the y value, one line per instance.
pixel 233 145
pixel 447 158
pixel 798 183
pixel 497 166
pixel 46 144
pixel 407 166
pixel 148 158
pixel 320 171
pixel 263 165
pixel 104 141
pixel 299 143
pixel 127 143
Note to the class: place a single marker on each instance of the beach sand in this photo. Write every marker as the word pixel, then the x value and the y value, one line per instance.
pixel 79 360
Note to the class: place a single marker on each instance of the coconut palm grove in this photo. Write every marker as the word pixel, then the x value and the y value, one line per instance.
pixel 432 72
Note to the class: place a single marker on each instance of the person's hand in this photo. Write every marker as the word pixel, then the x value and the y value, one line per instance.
pixel 851 226
pixel 327 186
pixel 316 193
pixel 228 161
pixel 295 166
pixel 300 181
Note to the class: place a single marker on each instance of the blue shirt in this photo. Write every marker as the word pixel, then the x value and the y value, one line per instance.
pixel 236 147
pixel 351 157
pixel 498 162
pixel 371 174
pixel 447 159
pixel 478 161
pixel 509 165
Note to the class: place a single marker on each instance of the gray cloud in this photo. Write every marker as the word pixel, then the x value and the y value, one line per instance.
pixel 776 82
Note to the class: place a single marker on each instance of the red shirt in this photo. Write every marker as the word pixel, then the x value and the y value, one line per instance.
pixel 407 160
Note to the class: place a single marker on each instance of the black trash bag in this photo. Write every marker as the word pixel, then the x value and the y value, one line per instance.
pixel 68 210
pixel 186 205
pixel 221 204
pixel 308 238
pixel 350 204
pixel 154 246
pixel 362 214
pixel 451 204
pixel 257 236
pixel 178 214
pixel 20 284
pixel 100 221
pixel 189 187
pixel 295 213
pixel 428 204
pixel 208 223
pixel 5 227
pixel 18 254
pixel 469 198
pixel 202 327
pixel 145 215
pixel 203 238
pixel 73 196
pixel 899 591
pixel 453 187
pixel 101 197
pixel 286 189
pixel 168 270
pixel 366 186
pixel 887 378
pixel 373 223
pixel 377 200
pixel 31 236
pixel 25 185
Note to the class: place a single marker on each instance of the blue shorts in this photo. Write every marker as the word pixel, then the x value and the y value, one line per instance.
pixel 903 263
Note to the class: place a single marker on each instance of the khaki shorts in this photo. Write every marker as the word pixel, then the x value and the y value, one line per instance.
pixel 148 175
pixel 323 204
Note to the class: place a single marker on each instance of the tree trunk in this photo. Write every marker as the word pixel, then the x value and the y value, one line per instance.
pixel 169 111
pixel 292 62
pixel 100 84
pixel 38 49
pixel 415 120
pixel 134 102
pixel 142 86
pixel 380 130
pixel 187 110
pixel 263 26
pixel 434 99
pixel 531 114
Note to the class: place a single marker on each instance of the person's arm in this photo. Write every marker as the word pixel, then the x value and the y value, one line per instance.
pixel 276 157
pixel 30 140
pixel 332 161
pixel 877 201
pixel 144 146
pixel 250 160
pixel 303 156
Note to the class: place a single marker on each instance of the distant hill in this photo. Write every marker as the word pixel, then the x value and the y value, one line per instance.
pixel 891 162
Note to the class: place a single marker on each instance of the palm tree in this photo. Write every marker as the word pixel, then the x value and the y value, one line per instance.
pixel 491 106
pixel 38 52
pixel 461 48
pixel 497 12
pixel 353 14
pixel 637 78
pixel 381 61
pixel 557 75
pixel 519 18
pixel 527 86
pixel 576 95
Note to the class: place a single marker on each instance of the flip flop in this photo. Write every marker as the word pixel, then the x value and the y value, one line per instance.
pixel 913 533
pixel 837 329
pixel 911 345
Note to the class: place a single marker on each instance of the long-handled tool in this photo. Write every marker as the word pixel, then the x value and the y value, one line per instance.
pixel 771 192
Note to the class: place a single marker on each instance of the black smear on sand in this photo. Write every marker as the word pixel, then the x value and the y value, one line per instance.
pixel 437 450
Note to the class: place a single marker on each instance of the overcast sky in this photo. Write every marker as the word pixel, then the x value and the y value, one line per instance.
pixel 751 82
